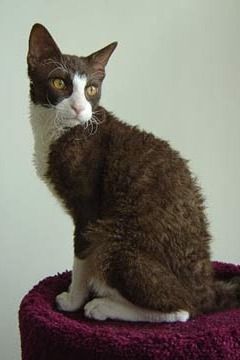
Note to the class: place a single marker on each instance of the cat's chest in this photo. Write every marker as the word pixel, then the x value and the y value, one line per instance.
pixel 58 151
pixel 45 132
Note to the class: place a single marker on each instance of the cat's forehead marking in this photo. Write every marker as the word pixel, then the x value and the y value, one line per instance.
pixel 79 82
pixel 75 64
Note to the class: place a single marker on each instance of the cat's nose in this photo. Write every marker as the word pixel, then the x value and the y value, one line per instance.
pixel 77 108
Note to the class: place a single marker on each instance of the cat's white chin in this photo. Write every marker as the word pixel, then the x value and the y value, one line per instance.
pixel 68 121
pixel 72 123
pixel 84 118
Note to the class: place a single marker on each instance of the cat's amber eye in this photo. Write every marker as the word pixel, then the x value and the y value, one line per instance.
pixel 91 90
pixel 58 84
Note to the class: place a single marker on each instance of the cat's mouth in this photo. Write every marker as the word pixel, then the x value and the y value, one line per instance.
pixel 88 121
pixel 68 120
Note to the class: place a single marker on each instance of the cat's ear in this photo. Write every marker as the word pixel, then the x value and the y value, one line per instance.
pixel 102 56
pixel 41 46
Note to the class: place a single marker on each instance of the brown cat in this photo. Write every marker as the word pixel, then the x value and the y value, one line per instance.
pixel 141 240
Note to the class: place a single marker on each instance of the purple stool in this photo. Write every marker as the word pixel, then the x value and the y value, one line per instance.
pixel 47 334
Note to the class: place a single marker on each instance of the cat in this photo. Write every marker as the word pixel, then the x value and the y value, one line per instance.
pixel 141 239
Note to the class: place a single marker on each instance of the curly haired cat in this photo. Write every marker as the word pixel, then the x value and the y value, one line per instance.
pixel 141 240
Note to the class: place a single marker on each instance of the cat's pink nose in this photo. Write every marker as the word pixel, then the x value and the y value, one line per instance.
pixel 77 108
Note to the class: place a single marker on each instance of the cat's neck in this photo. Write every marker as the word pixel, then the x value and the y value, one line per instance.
pixel 47 130
pixel 44 124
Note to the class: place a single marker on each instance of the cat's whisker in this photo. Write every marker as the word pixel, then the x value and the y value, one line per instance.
pixel 55 69
pixel 91 127
pixel 96 117
pixel 88 126
pixel 96 126
pixel 49 102
pixel 97 111
pixel 85 125
pixel 59 66
pixel 46 106
pixel 96 120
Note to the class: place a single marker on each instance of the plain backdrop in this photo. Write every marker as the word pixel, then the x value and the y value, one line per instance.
pixel 176 73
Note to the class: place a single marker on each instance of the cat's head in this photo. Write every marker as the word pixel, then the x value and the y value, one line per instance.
pixel 69 85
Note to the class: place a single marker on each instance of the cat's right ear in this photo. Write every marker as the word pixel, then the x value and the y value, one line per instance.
pixel 41 46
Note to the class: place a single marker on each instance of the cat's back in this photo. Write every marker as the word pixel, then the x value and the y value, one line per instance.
pixel 150 186
pixel 136 156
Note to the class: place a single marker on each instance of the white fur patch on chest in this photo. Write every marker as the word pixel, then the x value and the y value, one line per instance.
pixel 45 132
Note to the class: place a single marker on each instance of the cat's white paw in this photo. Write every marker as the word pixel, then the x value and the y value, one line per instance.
pixel 98 309
pixel 66 302
pixel 182 315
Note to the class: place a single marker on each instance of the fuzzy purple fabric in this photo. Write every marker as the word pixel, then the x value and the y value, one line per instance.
pixel 47 334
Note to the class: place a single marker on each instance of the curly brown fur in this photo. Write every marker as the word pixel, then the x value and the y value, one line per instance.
pixel 138 213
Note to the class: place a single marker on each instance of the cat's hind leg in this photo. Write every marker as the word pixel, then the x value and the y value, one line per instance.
pixel 121 309
pixel 144 281
pixel 137 287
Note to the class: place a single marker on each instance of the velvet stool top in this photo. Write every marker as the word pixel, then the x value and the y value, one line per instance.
pixel 47 334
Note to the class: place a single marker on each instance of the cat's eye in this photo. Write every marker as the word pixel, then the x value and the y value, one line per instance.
pixel 58 84
pixel 91 90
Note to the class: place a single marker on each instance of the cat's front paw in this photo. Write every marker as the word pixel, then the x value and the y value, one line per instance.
pixel 66 302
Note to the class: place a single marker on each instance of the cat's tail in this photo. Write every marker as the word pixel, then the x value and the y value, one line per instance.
pixel 226 294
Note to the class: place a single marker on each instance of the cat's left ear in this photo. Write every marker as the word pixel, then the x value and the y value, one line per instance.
pixel 102 56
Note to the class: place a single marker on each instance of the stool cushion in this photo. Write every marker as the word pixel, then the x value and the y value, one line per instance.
pixel 48 334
